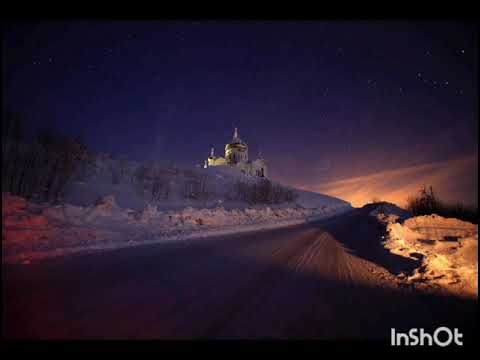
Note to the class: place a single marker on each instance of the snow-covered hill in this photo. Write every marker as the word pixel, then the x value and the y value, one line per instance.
pixel 135 186
pixel 113 205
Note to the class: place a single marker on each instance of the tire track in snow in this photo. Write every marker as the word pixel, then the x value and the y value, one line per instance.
pixel 237 282
pixel 283 299
pixel 267 280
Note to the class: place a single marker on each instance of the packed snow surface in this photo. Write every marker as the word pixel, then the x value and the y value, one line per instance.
pixel 32 230
pixel 448 249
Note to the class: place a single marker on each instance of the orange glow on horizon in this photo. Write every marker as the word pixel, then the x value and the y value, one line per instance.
pixel 453 181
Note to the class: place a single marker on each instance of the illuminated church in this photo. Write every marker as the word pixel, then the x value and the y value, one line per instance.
pixel 236 155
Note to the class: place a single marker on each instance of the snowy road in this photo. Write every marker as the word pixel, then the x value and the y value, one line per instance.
pixel 322 280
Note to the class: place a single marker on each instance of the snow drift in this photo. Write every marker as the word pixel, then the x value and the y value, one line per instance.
pixel 448 249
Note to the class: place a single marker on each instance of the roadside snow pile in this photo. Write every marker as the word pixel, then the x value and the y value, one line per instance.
pixel 448 249
pixel 41 230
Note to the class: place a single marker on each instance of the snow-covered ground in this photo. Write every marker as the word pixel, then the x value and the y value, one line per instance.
pixel 218 184
pixel 32 230
pixel 448 249
pixel 115 203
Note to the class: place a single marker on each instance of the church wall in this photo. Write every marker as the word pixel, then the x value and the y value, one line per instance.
pixel 219 161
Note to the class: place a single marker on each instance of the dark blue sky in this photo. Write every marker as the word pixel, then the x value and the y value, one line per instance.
pixel 323 100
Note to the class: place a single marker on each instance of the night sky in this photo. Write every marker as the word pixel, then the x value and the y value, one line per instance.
pixel 357 109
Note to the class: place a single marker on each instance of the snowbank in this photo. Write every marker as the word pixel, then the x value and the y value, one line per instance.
pixel 41 230
pixel 448 249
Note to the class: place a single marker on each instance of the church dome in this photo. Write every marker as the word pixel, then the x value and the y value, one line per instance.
pixel 236 150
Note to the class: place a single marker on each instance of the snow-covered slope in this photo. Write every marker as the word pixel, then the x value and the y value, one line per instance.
pixel 112 203
pixel 112 177
pixel 312 200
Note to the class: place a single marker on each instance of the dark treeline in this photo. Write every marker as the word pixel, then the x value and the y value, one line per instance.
pixel 37 164
pixel 427 203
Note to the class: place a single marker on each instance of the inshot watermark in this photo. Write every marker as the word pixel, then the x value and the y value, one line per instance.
pixel 442 336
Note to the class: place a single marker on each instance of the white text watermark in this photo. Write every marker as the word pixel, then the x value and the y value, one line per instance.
pixel 442 336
